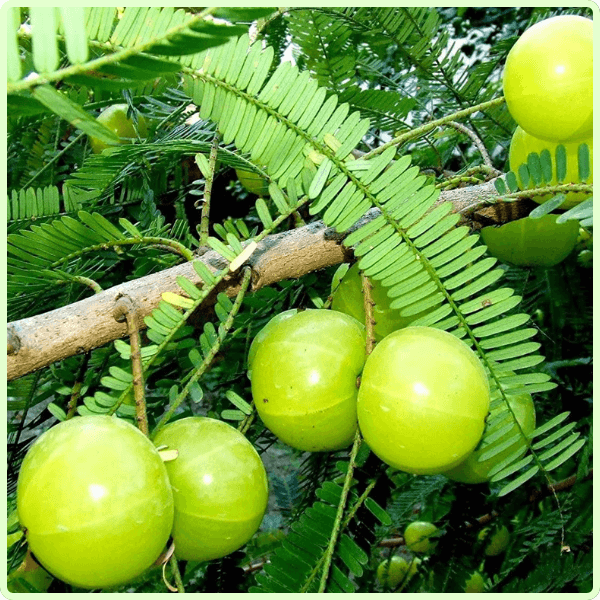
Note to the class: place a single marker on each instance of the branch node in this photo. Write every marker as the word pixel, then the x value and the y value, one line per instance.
pixel 13 341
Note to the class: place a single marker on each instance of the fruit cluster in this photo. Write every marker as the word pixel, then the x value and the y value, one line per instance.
pixel 421 403
pixel 98 503
pixel 547 84
pixel 394 573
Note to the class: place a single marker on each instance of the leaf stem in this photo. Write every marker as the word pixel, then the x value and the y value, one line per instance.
pixel 423 129
pixel 337 525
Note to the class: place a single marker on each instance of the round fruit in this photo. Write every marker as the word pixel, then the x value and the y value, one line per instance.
pixel 253 182
pixel 262 334
pixel 95 499
pixel 417 534
pixel 523 144
pixel 423 400
pixel 528 242
pixel 115 118
pixel 219 484
pixel 396 570
pixel 474 585
pixel 474 470
pixel 547 79
pixel 348 298
pixel 498 541
pixel 304 379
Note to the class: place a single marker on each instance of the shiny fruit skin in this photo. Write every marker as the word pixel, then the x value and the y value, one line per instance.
pixel 262 334
pixel 523 144
pixel 417 534
pixel 475 584
pixel 253 182
pixel 348 298
pixel 547 79
pixel 531 242
pixel 498 541
pixel 94 496
pixel 423 399
pixel 472 470
pixel 304 379
pixel 115 118
pixel 219 484
pixel 391 573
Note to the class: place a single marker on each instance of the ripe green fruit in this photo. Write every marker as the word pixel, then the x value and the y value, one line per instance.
pixel 304 379
pixel 474 585
pixel 219 484
pixel 523 144
pixel 391 573
pixel 262 334
pixel 417 534
pixel 115 118
pixel 423 400
pixel 253 182
pixel 348 298
pixel 95 499
pixel 474 470
pixel 498 541
pixel 528 242
pixel 547 79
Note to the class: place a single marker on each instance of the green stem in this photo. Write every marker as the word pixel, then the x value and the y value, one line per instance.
pixel 204 220
pixel 423 129
pixel 109 59
pixel 177 574
pixel 76 393
pixel 170 245
pixel 223 330
pixel 337 525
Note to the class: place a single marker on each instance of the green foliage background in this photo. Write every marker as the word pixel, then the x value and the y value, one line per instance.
pixel 79 222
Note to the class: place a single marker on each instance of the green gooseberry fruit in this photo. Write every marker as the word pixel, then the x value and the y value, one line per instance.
pixel 498 540
pixel 94 497
pixel 348 298
pixel 474 470
pixel 523 144
pixel 262 334
pixel 219 484
pixel 115 118
pixel 304 379
pixel 548 79
pixel 475 584
pixel 252 182
pixel 423 400
pixel 531 242
pixel 396 570
pixel 417 536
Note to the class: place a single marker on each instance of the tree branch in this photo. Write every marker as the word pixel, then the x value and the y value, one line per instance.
pixel 36 342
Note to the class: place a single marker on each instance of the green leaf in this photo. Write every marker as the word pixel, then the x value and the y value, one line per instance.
pixel 44 24
pixel 583 156
pixel 518 482
pixel 378 512
pixel 547 207
pixel 57 411
pixel 238 402
pixel 73 113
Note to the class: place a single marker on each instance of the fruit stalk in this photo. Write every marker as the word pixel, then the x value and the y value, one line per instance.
pixel 126 309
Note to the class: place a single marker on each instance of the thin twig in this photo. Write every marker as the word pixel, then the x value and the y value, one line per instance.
pixel 204 219
pixel 125 308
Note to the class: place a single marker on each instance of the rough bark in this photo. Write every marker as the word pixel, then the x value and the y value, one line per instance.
pixel 36 342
